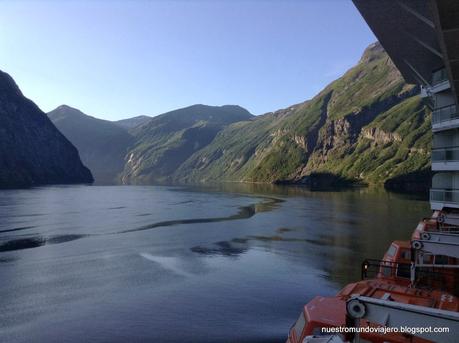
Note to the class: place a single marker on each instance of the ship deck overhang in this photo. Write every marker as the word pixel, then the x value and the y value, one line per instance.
pixel 420 36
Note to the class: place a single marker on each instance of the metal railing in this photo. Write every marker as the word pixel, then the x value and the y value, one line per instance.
pixel 445 113
pixel 445 154
pixel 372 268
pixel 439 76
pixel 445 195
pixel 438 276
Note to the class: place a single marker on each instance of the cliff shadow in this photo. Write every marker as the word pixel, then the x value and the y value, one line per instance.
pixel 324 181
pixel 418 182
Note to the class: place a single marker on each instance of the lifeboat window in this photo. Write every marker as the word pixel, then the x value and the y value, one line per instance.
pixel 299 326
pixel 391 251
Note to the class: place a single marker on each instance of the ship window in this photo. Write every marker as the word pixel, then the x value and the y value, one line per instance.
pixel 299 326
pixel 391 251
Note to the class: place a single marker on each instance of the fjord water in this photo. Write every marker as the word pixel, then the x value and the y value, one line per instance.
pixel 232 263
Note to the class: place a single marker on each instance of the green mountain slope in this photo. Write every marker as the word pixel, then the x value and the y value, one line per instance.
pixel 131 123
pixel 367 126
pixel 164 143
pixel 32 151
pixel 102 144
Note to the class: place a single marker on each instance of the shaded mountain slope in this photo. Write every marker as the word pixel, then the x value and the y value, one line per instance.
pixel 32 150
pixel 102 144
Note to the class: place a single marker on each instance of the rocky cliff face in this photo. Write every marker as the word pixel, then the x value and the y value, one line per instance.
pixel 367 126
pixel 32 150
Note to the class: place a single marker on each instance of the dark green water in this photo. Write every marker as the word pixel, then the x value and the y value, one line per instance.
pixel 228 263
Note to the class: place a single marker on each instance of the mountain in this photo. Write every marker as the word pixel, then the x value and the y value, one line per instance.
pixel 102 144
pixel 32 150
pixel 133 122
pixel 164 143
pixel 367 126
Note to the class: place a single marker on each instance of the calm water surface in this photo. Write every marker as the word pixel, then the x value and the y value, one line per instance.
pixel 231 263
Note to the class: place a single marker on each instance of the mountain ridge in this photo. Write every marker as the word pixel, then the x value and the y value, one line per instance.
pixel 368 126
pixel 102 144
pixel 327 134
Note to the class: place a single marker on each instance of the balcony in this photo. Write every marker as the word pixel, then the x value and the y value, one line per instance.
pixel 442 198
pixel 439 83
pixel 445 159
pixel 439 76
pixel 445 118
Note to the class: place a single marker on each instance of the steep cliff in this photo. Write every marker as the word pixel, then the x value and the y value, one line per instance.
pixel 32 150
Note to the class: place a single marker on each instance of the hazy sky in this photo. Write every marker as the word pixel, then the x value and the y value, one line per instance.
pixel 116 59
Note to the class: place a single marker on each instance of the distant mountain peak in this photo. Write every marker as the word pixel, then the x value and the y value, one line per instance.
pixel 102 144
pixel 65 110
pixel 372 52
pixel 64 107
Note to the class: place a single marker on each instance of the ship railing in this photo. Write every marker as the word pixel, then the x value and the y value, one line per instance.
pixel 444 113
pixel 389 313
pixel 444 195
pixel 373 268
pixel 448 154
pixel 439 276
pixel 440 225
pixel 439 76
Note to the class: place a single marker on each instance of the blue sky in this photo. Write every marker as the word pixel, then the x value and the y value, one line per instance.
pixel 117 59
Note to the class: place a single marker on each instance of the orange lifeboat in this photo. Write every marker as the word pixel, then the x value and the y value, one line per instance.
pixel 323 312
pixel 399 278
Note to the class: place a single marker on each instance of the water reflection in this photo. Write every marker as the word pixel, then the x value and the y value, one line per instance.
pixel 229 263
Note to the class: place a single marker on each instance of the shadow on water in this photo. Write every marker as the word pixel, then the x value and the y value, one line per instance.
pixel 224 248
pixel 7 259
pixel 35 242
pixel 245 212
